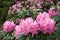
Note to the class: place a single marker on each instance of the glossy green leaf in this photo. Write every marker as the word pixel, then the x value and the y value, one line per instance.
pixel 56 18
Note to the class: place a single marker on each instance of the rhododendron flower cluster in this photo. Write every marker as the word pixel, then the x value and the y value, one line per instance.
pixel 43 23
pixel 26 26
pixel 46 24
pixel 8 26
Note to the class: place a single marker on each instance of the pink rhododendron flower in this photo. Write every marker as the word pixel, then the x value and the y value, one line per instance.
pixel 46 24
pixel 26 26
pixel 34 28
pixel 30 0
pixel 8 26
pixel 41 17
pixel 17 32
pixel 19 29
pixel 23 27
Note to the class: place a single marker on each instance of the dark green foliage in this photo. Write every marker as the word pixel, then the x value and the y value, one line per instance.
pixel 56 18
pixel 4 6
pixel 6 36
pixel 28 13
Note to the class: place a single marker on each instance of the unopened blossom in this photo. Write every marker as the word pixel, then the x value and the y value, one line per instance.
pixel 48 0
pixel 58 5
pixel 9 11
pixel 52 12
pixel 30 0
pixel 32 7
pixel 38 6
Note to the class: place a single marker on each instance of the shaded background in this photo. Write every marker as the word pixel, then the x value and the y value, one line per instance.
pixel 4 6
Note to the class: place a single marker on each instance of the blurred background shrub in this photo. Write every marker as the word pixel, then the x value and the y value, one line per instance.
pixel 4 6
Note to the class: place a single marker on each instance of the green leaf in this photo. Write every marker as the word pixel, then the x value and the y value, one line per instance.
pixel 29 13
pixel 55 6
pixel 56 18
pixel 20 14
pixel 58 24
pixel 28 37
pixel 22 38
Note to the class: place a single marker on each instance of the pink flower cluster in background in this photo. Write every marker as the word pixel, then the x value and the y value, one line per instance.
pixel 28 4
pixel 20 5
pixel 16 7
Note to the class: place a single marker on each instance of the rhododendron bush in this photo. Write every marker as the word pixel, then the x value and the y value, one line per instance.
pixel 32 20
